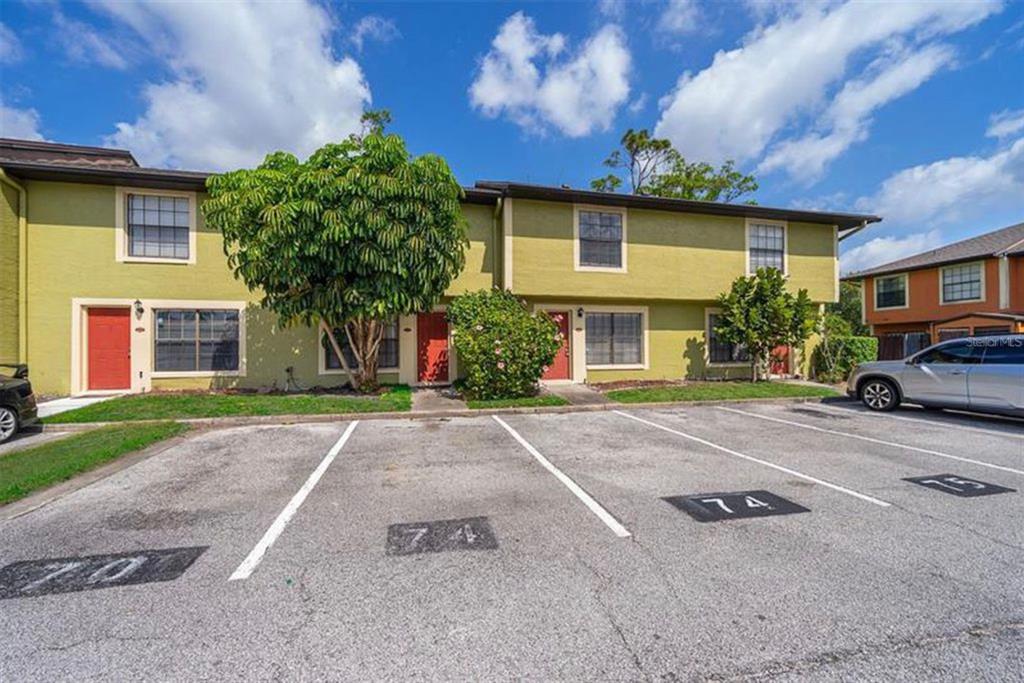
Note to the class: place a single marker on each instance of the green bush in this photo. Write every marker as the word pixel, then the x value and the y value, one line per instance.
pixel 503 348
pixel 835 357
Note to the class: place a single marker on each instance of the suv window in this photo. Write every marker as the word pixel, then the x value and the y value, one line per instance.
pixel 1008 352
pixel 960 353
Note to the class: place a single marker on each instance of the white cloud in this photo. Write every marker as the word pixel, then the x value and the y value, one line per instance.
pixel 881 250
pixel 639 104
pixel 10 47
pixel 787 70
pixel 85 45
pixel 248 78
pixel 951 190
pixel 613 9
pixel 848 119
pixel 19 123
pixel 533 79
pixel 373 27
pixel 679 17
pixel 1005 123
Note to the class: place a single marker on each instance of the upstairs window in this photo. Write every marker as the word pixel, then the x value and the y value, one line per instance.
pixel 189 340
pixel 891 292
pixel 962 283
pixel 601 239
pixel 722 351
pixel 767 245
pixel 387 353
pixel 158 226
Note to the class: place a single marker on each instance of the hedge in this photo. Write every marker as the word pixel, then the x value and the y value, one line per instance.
pixel 835 357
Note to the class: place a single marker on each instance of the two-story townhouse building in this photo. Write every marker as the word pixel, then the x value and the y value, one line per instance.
pixel 971 287
pixel 111 281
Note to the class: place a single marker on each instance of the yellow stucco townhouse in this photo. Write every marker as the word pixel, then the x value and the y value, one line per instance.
pixel 110 280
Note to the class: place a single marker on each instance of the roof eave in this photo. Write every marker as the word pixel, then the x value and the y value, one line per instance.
pixel 517 190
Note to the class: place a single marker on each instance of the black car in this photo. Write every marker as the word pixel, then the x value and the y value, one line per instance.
pixel 17 403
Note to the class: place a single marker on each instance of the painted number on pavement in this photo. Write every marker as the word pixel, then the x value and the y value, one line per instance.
pixel 718 507
pixel 471 533
pixel 31 578
pixel 959 486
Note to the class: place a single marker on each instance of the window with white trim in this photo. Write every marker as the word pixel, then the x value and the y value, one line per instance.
pixel 961 283
pixel 720 351
pixel 196 340
pixel 891 292
pixel 767 245
pixel 615 339
pixel 387 353
pixel 600 237
pixel 158 226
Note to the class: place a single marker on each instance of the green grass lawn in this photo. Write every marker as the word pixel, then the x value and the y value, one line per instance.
pixel 23 472
pixel 182 406
pixel 717 391
pixel 528 402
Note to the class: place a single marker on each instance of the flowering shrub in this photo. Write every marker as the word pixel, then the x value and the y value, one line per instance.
pixel 502 347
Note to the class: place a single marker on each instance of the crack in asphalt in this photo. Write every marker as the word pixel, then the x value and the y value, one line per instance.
pixel 607 614
pixel 809 664
pixel 95 640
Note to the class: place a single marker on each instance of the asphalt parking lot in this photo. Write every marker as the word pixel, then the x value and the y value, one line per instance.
pixel 792 545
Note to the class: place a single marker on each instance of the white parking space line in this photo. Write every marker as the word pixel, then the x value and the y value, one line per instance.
pixel 805 477
pixel 250 563
pixel 869 439
pixel 584 497
pixel 928 422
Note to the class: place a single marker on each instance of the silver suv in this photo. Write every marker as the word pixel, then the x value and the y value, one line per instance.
pixel 983 374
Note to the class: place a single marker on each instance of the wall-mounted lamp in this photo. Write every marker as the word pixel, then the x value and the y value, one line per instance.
pixel 579 312
pixel 139 310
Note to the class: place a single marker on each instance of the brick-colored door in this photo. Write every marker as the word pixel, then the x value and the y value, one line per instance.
pixel 780 360
pixel 109 341
pixel 432 347
pixel 559 368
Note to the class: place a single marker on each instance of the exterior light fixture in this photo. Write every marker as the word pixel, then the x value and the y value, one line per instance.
pixel 138 309
pixel 579 312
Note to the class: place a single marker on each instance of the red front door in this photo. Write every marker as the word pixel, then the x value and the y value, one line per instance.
pixel 780 360
pixel 109 341
pixel 432 347
pixel 559 368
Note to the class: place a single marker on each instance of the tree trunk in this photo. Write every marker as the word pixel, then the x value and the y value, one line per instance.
pixel 364 335
pixel 326 329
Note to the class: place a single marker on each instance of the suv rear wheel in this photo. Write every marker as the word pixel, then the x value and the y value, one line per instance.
pixel 879 394
pixel 8 424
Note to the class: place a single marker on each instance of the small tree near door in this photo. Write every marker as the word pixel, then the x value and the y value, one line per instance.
pixel 358 233
pixel 760 314
pixel 503 348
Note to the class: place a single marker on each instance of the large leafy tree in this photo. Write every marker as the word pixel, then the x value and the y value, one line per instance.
pixel 358 233
pixel 759 313
pixel 848 309
pixel 654 167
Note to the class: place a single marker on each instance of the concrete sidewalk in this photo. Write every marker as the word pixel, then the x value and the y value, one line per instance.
pixel 62 405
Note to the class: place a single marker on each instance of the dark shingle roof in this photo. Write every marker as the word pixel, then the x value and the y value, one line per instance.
pixel 848 223
pixel 1005 241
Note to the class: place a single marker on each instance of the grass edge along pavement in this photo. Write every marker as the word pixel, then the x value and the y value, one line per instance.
pixel 31 469
pixel 719 391
pixel 545 400
pixel 183 406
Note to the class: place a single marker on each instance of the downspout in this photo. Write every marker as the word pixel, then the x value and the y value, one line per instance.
pixel 22 265
pixel 496 256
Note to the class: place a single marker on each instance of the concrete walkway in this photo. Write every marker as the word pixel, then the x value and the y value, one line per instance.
pixel 62 405
pixel 431 399
pixel 577 394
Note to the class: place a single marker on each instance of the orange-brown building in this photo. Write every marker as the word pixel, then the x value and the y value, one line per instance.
pixel 973 287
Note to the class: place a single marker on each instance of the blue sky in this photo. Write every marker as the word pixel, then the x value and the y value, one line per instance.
pixel 911 110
